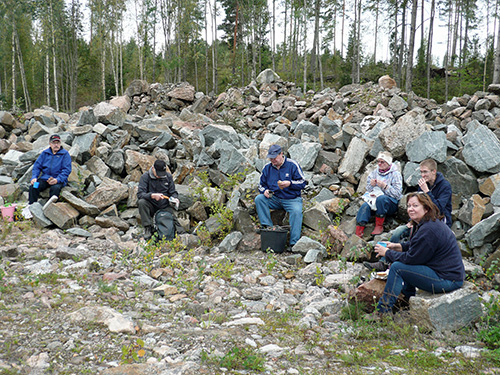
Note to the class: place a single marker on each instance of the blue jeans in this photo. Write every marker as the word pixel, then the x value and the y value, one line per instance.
pixel 400 233
pixel 292 206
pixel 405 278
pixel 385 206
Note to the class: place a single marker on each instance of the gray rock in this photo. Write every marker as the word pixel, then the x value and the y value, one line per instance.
pixel 39 218
pixel 61 214
pixel 267 76
pixel 109 114
pixel 428 145
pixel 97 166
pixel 485 231
pixel 11 157
pixel 307 127
pixel 81 205
pixel 448 311
pixel 79 232
pixel 407 128
pixel 495 197
pixel 324 195
pixel 411 174
pixel 353 159
pixel 86 145
pixel 462 179
pixel 316 218
pixel 212 133
pixel 137 87
pixel 152 127
pixel 116 161
pixel 242 221
pixel 115 321
pixel 231 241
pixel 397 103
pixel 304 244
pixel 231 160
pixel 329 126
pixel 305 154
pixel 164 140
pixel 314 255
pixel 481 148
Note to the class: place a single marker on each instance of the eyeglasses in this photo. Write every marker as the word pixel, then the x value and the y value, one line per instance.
pixel 425 172
pixel 381 162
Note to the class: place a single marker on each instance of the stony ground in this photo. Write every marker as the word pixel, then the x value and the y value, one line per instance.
pixel 74 305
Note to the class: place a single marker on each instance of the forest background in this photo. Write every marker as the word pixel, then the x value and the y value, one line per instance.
pixel 70 53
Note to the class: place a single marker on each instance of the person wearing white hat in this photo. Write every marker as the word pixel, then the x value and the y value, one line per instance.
pixel 384 189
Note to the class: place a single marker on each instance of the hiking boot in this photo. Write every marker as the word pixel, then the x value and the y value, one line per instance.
pixel 147 233
pixel 377 266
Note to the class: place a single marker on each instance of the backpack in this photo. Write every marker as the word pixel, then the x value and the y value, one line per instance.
pixel 164 225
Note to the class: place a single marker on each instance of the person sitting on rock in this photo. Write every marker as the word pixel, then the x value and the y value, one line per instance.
pixel 438 188
pixel 280 187
pixel 51 170
pixel 384 188
pixel 430 261
pixel 156 192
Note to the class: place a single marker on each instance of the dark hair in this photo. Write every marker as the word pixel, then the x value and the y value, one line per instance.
pixel 426 201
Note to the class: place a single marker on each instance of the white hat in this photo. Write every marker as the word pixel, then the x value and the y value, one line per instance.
pixel 385 156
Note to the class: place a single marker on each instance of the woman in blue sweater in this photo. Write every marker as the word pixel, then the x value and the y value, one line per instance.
pixel 430 261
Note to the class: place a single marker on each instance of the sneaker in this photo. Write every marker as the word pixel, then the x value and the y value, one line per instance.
pixel 147 233
pixel 377 266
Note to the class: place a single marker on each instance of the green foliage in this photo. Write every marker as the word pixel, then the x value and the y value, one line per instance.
pixel 133 352
pixel 223 269
pixel 238 358
pixel 490 333
pixel 319 277
pixel 269 262
pixel 353 311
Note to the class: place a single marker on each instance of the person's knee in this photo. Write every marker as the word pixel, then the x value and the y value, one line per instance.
pixel 142 203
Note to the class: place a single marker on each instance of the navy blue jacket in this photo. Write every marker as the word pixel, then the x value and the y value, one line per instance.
pixel 289 171
pixel 150 184
pixel 440 193
pixel 56 165
pixel 433 245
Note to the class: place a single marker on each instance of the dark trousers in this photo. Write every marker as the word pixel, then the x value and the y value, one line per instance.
pixel 43 185
pixel 147 210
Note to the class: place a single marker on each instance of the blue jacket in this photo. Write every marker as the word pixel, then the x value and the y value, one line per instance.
pixel 434 245
pixel 289 171
pixel 440 193
pixel 52 165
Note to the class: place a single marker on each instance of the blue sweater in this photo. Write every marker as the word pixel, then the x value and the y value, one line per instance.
pixel 433 245
pixel 289 171
pixel 440 193
pixel 56 165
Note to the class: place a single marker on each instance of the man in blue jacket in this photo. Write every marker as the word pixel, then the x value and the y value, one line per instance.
pixel 51 170
pixel 280 187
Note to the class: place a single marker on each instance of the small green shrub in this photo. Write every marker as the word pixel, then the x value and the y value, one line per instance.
pixel 238 358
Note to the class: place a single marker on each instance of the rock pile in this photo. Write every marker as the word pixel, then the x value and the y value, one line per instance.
pixel 333 135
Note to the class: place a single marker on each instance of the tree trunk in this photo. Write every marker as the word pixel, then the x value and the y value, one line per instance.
pixel 376 33
pixel 395 46
pixel 47 77
pixel 496 68
pixel 315 51
pixel 214 47
pixel 14 99
pixel 206 48
pixel 411 47
pixel 402 45
pixel 429 47
pixel 448 52
pixel 305 47
pixel 27 100
pixel 358 45
pixel 54 61
pixel 283 57
pixel 342 32
pixel 273 49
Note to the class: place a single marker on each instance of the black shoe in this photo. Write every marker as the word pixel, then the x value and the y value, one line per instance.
pixel 377 266
pixel 147 233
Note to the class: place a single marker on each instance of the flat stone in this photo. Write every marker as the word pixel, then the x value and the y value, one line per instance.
pixel 61 214
pixel 448 311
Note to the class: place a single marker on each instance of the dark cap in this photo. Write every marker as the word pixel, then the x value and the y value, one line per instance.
pixel 274 151
pixel 161 168
pixel 55 137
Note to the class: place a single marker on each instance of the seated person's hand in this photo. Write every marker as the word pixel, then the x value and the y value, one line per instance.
pixel 373 182
pixel 33 181
pixel 52 181
pixel 284 184
pixel 174 202
pixel 157 196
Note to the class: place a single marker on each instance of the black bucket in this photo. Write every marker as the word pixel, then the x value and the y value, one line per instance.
pixel 273 238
